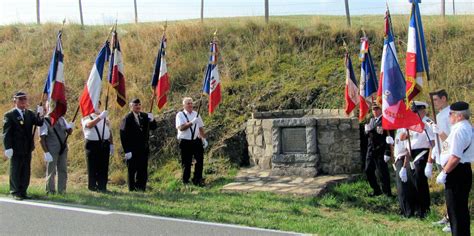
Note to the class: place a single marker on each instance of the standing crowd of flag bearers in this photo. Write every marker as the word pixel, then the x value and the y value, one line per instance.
pixel 20 123
pixel 400 129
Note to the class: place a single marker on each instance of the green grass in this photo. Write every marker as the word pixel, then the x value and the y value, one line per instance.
pixel 344 210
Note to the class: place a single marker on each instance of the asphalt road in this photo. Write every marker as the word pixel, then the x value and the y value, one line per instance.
pixel 41 218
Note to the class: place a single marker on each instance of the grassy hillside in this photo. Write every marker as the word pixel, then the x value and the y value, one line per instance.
pixel 293 62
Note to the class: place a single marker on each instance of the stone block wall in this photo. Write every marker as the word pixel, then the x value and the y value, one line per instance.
pixel 332 142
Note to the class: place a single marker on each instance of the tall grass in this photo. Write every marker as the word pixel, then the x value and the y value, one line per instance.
pixel 293 62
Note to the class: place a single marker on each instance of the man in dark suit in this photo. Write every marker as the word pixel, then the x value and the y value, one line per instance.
pixel 18 129
pixel 375 158
pixel 134 134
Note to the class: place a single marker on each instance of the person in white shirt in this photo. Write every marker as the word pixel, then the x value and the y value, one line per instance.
pixel 192 141
pixel 420 148
pixel 404 181
pixel 456 157
pixel 442 129
pixel 99 146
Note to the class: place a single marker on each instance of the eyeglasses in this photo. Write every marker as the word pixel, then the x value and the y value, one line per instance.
pixel 451 113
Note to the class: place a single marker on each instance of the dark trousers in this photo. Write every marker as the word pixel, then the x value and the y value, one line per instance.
pixel 137 171
pixel 191 149
pixel 374 161
pixel 406 191
pixel 457 188
pixel 20 167
pixel 97 153
pixel 421 183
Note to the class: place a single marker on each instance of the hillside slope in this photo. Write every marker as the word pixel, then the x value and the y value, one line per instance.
pixel 293 62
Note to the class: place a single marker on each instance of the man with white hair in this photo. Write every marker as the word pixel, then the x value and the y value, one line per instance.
pixel 457 155
pixel 192 141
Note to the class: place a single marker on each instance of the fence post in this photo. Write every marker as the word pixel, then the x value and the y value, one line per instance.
pixel 348 14
pixel 80 12
pixel 202 11
pixel 266 11
pixel 443 7
pixel 38 12
pixel 454 9
pixel 136 14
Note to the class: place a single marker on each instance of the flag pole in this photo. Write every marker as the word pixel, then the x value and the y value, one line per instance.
pixel 154 88
pixel 214 39
pixel 114 30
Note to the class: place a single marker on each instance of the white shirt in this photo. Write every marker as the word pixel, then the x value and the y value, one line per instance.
pixel 420 140
pixel 458 140
pixel 91 134
pixel 444 126
pixel 181 120
pixel 400 147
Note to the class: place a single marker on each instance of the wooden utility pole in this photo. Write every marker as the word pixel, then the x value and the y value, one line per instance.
pixel 38 12
pixel 454 9
pixel 80 12
pixel 266 11
pixel 443 7
pixel 136 13
pixel 202 11
pixel 348 14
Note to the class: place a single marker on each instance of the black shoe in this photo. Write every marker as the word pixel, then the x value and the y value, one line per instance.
pixel 26 197
pixel 199 183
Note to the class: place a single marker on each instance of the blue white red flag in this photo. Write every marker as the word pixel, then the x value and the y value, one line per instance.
pixel 89 101
pixel 351 91
pixel 212 83
pixel 160 79
pixel 417 65
pixel 116 71
pixel 395 114
pixel 388 42
pixel 368 80
pixel 54 87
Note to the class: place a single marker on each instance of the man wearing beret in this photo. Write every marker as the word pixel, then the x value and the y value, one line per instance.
pixel 456 156
pixel 134 135
pixel 18 129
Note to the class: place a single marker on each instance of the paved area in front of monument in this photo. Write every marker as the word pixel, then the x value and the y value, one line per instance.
pixel 255 180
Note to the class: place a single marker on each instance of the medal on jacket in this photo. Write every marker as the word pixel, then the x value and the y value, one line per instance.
pixel 20 119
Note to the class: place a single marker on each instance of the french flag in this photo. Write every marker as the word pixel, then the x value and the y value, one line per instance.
pixel 212 83
pixel 351 91
pixel 368 80
pixel 388 42
pixel 89 101
pixel 417 65
pixel 395 114
pixel 160 80
pixel 54 87
pixel 116 72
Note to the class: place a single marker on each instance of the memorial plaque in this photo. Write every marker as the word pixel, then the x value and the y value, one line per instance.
pixel 293 140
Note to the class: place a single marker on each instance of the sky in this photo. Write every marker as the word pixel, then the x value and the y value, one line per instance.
pixel 102 12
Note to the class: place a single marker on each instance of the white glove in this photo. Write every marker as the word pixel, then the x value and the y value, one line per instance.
pixel 151 117
pixel 367 128
pixel 70 125
pixel 48 157
pixel 379 130
pixel 103 114
pixel 429 170
pixel 111 149
pixel 193 121
pixel 435 128
pixel 386 158
pixel 9 153
pixel 403 174
pixel 441 179
pixel 40 110
pixel 128 156
pixel 204 143
pixel 389 140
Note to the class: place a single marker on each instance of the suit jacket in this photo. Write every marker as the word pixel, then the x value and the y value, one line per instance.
pixel 18 131
pixel 135 137
pixel 376 142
